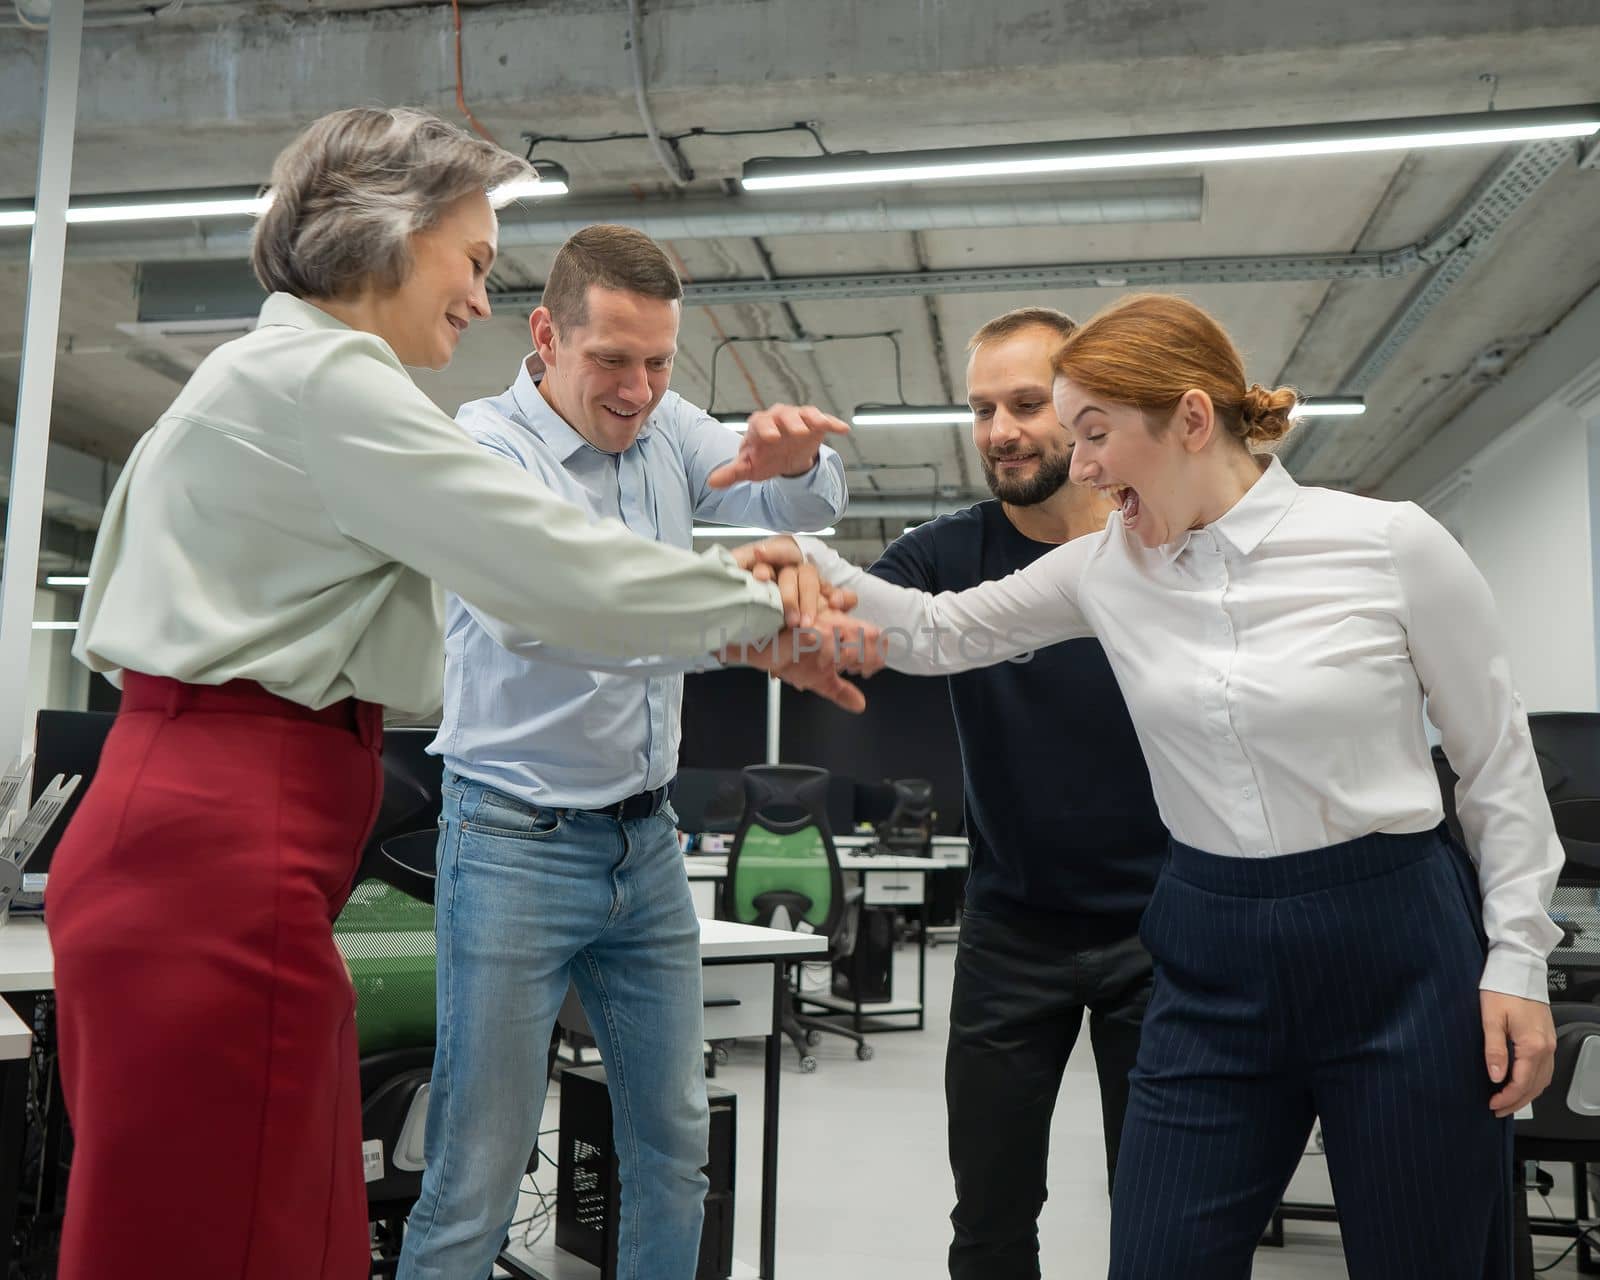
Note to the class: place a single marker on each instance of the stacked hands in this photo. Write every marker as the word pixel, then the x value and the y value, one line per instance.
pixel 819 638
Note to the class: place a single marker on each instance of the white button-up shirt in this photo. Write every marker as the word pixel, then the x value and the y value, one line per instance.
pixel 1276 664
pixel 288 518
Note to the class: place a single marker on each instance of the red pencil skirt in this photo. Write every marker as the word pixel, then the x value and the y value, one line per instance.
pixel 206 1019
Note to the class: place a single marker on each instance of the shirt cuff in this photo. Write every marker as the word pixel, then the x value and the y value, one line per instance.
pixel 1515 973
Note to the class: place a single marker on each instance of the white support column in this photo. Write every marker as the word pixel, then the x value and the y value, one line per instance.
pixel 774 717
pixel 1593 431
pixel 41 325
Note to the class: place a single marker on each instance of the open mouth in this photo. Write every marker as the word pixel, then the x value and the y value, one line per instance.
pixel 1127 502
pixel 456 323
pixel 1011 461
pixel 627 415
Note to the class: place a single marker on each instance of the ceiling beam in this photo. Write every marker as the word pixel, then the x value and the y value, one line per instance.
pixel 1564 354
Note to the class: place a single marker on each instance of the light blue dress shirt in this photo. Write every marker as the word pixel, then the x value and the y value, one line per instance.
pixel 567 730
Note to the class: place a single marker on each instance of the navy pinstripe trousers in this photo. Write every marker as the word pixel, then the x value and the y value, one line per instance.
pixel 1342 984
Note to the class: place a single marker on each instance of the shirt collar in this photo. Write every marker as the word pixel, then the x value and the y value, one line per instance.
pixel 296 313
pixel 545 422
pixel 1247 523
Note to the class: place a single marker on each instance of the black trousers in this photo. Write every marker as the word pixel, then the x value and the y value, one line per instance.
pixel 1021 989
pixel 1342 984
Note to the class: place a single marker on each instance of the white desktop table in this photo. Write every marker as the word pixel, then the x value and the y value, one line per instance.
pixel 892 880
pixel 744 993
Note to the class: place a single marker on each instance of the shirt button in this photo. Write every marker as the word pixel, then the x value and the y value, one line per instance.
pixel 1246 793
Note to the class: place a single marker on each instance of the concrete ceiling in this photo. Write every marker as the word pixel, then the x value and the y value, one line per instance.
pixel 205 95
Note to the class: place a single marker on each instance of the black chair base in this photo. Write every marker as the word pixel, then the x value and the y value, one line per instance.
pixel 806 1033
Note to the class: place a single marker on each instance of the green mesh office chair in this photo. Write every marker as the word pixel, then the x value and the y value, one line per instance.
pixel 783 873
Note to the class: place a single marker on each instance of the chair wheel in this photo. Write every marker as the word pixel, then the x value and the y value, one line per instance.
pixel 808 1064
pixel 813 1037
pixel 720 1054
pixel 864 1052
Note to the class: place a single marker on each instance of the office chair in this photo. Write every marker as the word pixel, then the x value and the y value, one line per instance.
pixel 783 873
pixel 386 935
pixel 1565 1125
pixel 909 827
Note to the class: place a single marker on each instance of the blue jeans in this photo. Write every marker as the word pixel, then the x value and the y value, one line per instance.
pixel 528 898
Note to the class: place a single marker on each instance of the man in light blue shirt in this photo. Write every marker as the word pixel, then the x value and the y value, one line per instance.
pixel 558 854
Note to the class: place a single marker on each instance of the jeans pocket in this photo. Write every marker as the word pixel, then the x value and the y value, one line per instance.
pixel 504 818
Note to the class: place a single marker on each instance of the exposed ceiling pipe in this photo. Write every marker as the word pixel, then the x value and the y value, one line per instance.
pixel 672 161
pixel 704 218
pixel 36 16
pixel 1151 272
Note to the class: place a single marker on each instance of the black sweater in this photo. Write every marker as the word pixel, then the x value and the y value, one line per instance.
pixel 1058 803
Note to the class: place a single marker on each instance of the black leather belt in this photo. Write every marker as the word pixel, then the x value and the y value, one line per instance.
pixel 644 805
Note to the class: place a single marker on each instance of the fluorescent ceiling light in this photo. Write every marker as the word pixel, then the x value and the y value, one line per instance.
pixel 65 580
pixel 234 202
pixel 734 421
pixel 549 179
pixel 55 626
pixel 739 531
pixel 1038 159
pixel 155 206
pixel 1329 407
pixel 911 415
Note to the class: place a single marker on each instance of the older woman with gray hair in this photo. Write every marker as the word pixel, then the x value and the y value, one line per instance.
pixel 266 580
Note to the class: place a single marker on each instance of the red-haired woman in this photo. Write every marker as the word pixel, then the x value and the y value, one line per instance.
pixel 1321 948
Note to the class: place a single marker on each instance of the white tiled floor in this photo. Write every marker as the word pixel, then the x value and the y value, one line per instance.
pixel 864 1182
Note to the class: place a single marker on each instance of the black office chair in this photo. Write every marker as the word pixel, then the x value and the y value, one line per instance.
pixel 708 800
pixel 783 873
pixel 909 827
pixel 386 934
pixel 1565 1125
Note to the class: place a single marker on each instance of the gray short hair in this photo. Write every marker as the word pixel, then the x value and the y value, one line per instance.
pixel 349 192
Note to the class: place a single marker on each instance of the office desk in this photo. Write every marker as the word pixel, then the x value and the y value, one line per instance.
pixel 744 991
pixel 888 880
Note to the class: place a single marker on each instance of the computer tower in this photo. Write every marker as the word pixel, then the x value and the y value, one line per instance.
pixel 867 973
pixel 588 1189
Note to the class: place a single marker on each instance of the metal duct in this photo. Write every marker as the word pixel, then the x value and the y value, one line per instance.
pixel 699 218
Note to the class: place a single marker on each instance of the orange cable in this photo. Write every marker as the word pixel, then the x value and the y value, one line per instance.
pixel 683 273
pixel 461 93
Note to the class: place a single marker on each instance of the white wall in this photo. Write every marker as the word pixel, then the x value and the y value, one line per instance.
pixel 1525 511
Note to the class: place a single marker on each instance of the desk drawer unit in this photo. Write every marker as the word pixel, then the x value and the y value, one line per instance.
pixel 738 1000
pixel 894 888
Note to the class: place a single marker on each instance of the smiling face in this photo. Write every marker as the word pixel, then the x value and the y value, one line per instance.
pixel 1025 454
pixel 606 375
pixel 1149 474
pixel 424 318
